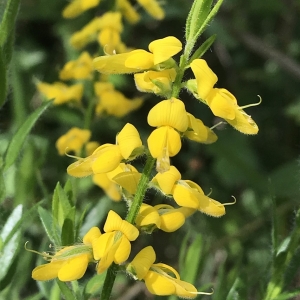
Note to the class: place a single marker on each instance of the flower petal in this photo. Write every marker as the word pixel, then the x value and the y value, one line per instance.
pixel 169 113
pixel 205 77
pixel 108 158
pixel 158 284
pixel 128 139
pixel 165 48
pixel 123 251
pixel 92 234
pixel 47 271
pixel 167 179
pixel 73 268
pixel 142 262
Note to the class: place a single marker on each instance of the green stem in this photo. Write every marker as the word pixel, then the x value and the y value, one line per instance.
pixel 131 216
pixel 109 281
pixel 141 190
pixel 184 61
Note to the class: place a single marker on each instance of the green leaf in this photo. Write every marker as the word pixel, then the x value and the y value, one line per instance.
pixel 288 295
pixel 61 205
pixel 8 20
pixel 11 242
pixel 68 232
pixel 94 285
pixel 65 290
pixel 47 221
pixel 192 260
pixel 2 186
pixel 196 17
pixel 203 48
pixel 68 189
pixel 3 79
pixel 19 137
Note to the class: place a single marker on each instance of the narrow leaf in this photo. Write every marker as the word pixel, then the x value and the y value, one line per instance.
pixel 65 290
pixel 11 243
pixel 3 79
pixel 197 15
pixel 67 235
pixel 203 48
pixel 211 15
pixel 47 221
pixel 94 285
pixel 8 20
pixel 19 137
pixel 2 186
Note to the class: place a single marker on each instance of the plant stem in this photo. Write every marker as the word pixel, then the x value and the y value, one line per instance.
pixel 141 190
pixel 109 281
pixel 184 60
pixel 131 216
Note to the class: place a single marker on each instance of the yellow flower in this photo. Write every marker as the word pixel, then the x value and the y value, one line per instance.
pixel 70 263
pixel 90 147
pixel 186 193
pixel 198 132
pixel 124 176
pixel 152 8
pixel 78 69
pixel 73 140
pixel 107 157
pixel 139 60
pixel 158 82
pixel 60 92
pixel 77 7
pixel 87 34
pixel 162 216
pixel 171 118
pixel 127 177
pixel 221 102
pixel 114 245
pixel 128 11
pixel 160 279
pixel 111 189
pixel 116 104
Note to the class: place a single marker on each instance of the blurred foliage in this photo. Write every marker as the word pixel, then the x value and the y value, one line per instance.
pixel 256 52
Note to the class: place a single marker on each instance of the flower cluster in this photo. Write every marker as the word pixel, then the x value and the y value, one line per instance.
pixel 111 165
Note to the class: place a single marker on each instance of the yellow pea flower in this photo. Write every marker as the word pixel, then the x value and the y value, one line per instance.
pixel 187 193
pixel 165 181
pixel 171 218
pixel 164 217
pixel 152 8
pixel 198 132
pixel 170 117
pixel 158 82
pixel 78 69
pixel 205 77
pixel 224 105
pixel 160 279
pixel 127 177
pixel 77 7
pixel 148 218
pixel 73 140
pixel 116 104
pixel 87 34
pixel 60 92
pixel 221 102
pixel 128 11
pixel 107 157
pixel 111 189
pixel 124 176
pixel 138 60
pixel 70 263
pixel 114 245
